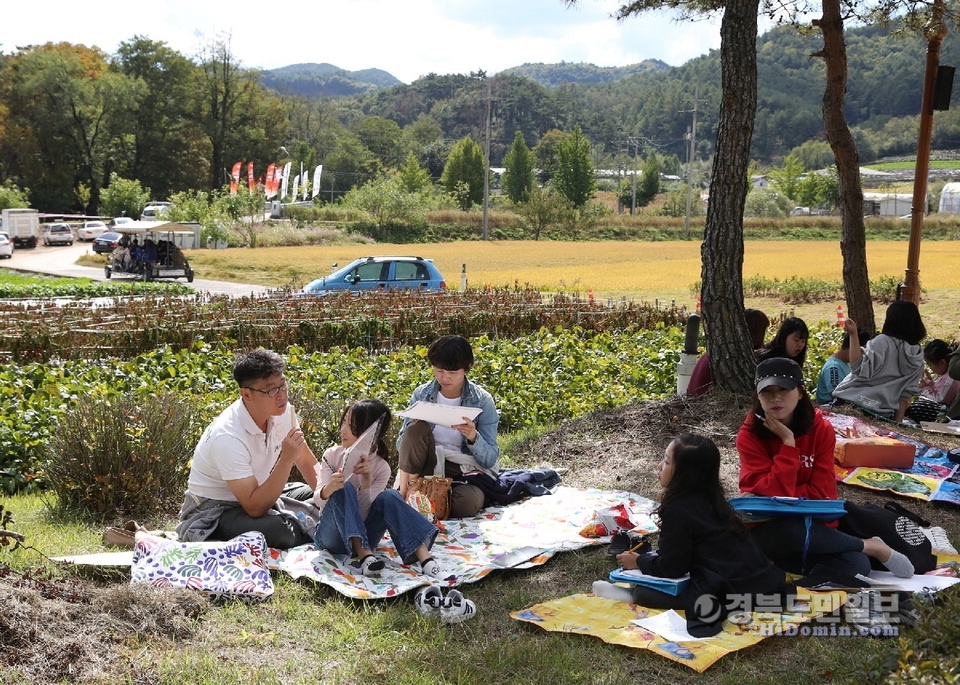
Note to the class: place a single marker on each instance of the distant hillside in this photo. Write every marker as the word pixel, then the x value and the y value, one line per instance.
pixel 315 80
pixel 552 75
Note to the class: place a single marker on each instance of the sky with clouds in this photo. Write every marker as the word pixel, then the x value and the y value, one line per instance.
pixel 409 38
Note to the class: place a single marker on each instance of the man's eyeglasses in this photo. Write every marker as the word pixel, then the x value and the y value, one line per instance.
pixel 272 392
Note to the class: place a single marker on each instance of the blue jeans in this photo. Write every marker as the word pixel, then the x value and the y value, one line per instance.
pixel 340 521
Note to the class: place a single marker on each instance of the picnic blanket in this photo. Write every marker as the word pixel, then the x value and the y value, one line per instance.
pixel 468 550
pixel 933 476
pixel 611 621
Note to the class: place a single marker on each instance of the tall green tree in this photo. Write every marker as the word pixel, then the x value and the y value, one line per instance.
pixel 463 174
pixel 545 154
pixel 162 145
pixel 123 197
pixel 12 196
pixel 239 119
pixel 76 110
pixel 574 176
pixel 518 173
pixel 649 186
pixel 412 177
pixel 787 178
pixel 382 137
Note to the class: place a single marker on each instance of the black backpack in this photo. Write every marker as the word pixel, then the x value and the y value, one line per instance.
pixel 896 526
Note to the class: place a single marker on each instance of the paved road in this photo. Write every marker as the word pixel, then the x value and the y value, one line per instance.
pixel 60 260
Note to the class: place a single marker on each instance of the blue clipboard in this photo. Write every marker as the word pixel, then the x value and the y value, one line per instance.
pixel 761 508
pixel 671 586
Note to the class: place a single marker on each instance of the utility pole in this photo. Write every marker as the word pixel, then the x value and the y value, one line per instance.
pixel 692 135
pixel 935 32
pixel 486 171
pixel 635 141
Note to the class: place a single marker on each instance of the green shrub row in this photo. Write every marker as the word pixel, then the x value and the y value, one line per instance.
pixel 33 288
pixel 797 290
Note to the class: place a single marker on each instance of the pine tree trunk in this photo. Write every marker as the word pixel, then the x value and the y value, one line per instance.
pixel 731 355
pixel 853 243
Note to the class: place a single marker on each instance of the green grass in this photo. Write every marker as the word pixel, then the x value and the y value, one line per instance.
pixel 911 164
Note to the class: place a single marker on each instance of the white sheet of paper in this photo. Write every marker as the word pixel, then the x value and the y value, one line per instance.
pixel 439 414
pixel 365 444
pixel 669 625
pixel 913 583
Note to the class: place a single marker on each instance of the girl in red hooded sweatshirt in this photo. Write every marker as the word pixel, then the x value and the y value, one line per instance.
pixel 786 450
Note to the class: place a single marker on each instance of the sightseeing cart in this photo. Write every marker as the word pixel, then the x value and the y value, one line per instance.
pixel 150 251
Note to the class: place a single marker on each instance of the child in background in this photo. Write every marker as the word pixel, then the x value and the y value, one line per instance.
pixel 356 509
pixel 790 342
pixel 700 534
pixel 887 375
pixel 939 391
pixel 837 366
pixel 701 378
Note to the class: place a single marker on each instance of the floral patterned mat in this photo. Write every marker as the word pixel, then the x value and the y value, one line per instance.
pixel 468 548
pixel 933 476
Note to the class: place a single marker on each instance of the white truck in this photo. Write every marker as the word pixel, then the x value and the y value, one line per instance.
pixel 22 225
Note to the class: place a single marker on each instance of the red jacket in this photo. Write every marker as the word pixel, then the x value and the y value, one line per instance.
pixel 771 469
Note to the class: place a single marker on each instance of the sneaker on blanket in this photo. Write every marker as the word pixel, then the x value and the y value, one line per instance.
pixel 429 600
pixel 457 608
pixel 370 566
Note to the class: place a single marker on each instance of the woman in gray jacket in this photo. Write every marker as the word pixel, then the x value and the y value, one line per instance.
pixel 888 373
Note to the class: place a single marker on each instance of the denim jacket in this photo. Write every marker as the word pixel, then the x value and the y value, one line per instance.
pixel 485 451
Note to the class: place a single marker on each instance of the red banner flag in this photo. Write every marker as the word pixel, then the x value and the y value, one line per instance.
pixel 235 178
pixel 270 183
pixel 251 182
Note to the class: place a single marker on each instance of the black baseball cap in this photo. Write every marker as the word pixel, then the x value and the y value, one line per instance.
pixel 780 371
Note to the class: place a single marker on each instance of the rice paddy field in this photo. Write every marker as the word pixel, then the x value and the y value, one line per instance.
pixel 662 272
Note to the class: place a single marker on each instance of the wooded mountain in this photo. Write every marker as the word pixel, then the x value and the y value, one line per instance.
pixel 551 75
pixel 315 80
pixel 654 106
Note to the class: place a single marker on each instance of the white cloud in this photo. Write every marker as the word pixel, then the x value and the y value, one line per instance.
pixel 407 39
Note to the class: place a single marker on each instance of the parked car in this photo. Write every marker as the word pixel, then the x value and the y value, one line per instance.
pixel 119 221
pixel 6 246
pixel 381 273
pixel 154 211
pixel 57 234
pixel 91 230
pixel 106 243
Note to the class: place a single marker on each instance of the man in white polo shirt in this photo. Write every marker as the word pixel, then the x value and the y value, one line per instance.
pixel 238 480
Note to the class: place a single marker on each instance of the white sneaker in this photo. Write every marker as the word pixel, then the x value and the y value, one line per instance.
pixel 429 600
pixel 370 566
pixel 457 608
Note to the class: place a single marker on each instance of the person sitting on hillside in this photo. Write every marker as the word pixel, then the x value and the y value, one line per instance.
pixel 427 449
pixel 790 342
pixel 937 392
pixel 837 366
pixel 701 379
pixel 242 464
pixel 887 375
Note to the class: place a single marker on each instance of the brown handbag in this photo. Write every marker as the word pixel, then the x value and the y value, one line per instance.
pixel 437 490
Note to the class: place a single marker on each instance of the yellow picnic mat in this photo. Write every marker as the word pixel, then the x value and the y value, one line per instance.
pixel 610 621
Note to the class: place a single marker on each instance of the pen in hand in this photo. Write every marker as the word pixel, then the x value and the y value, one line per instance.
pixel 637 546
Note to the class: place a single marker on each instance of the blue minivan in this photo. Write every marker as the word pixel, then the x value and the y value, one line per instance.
pixel 380 273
